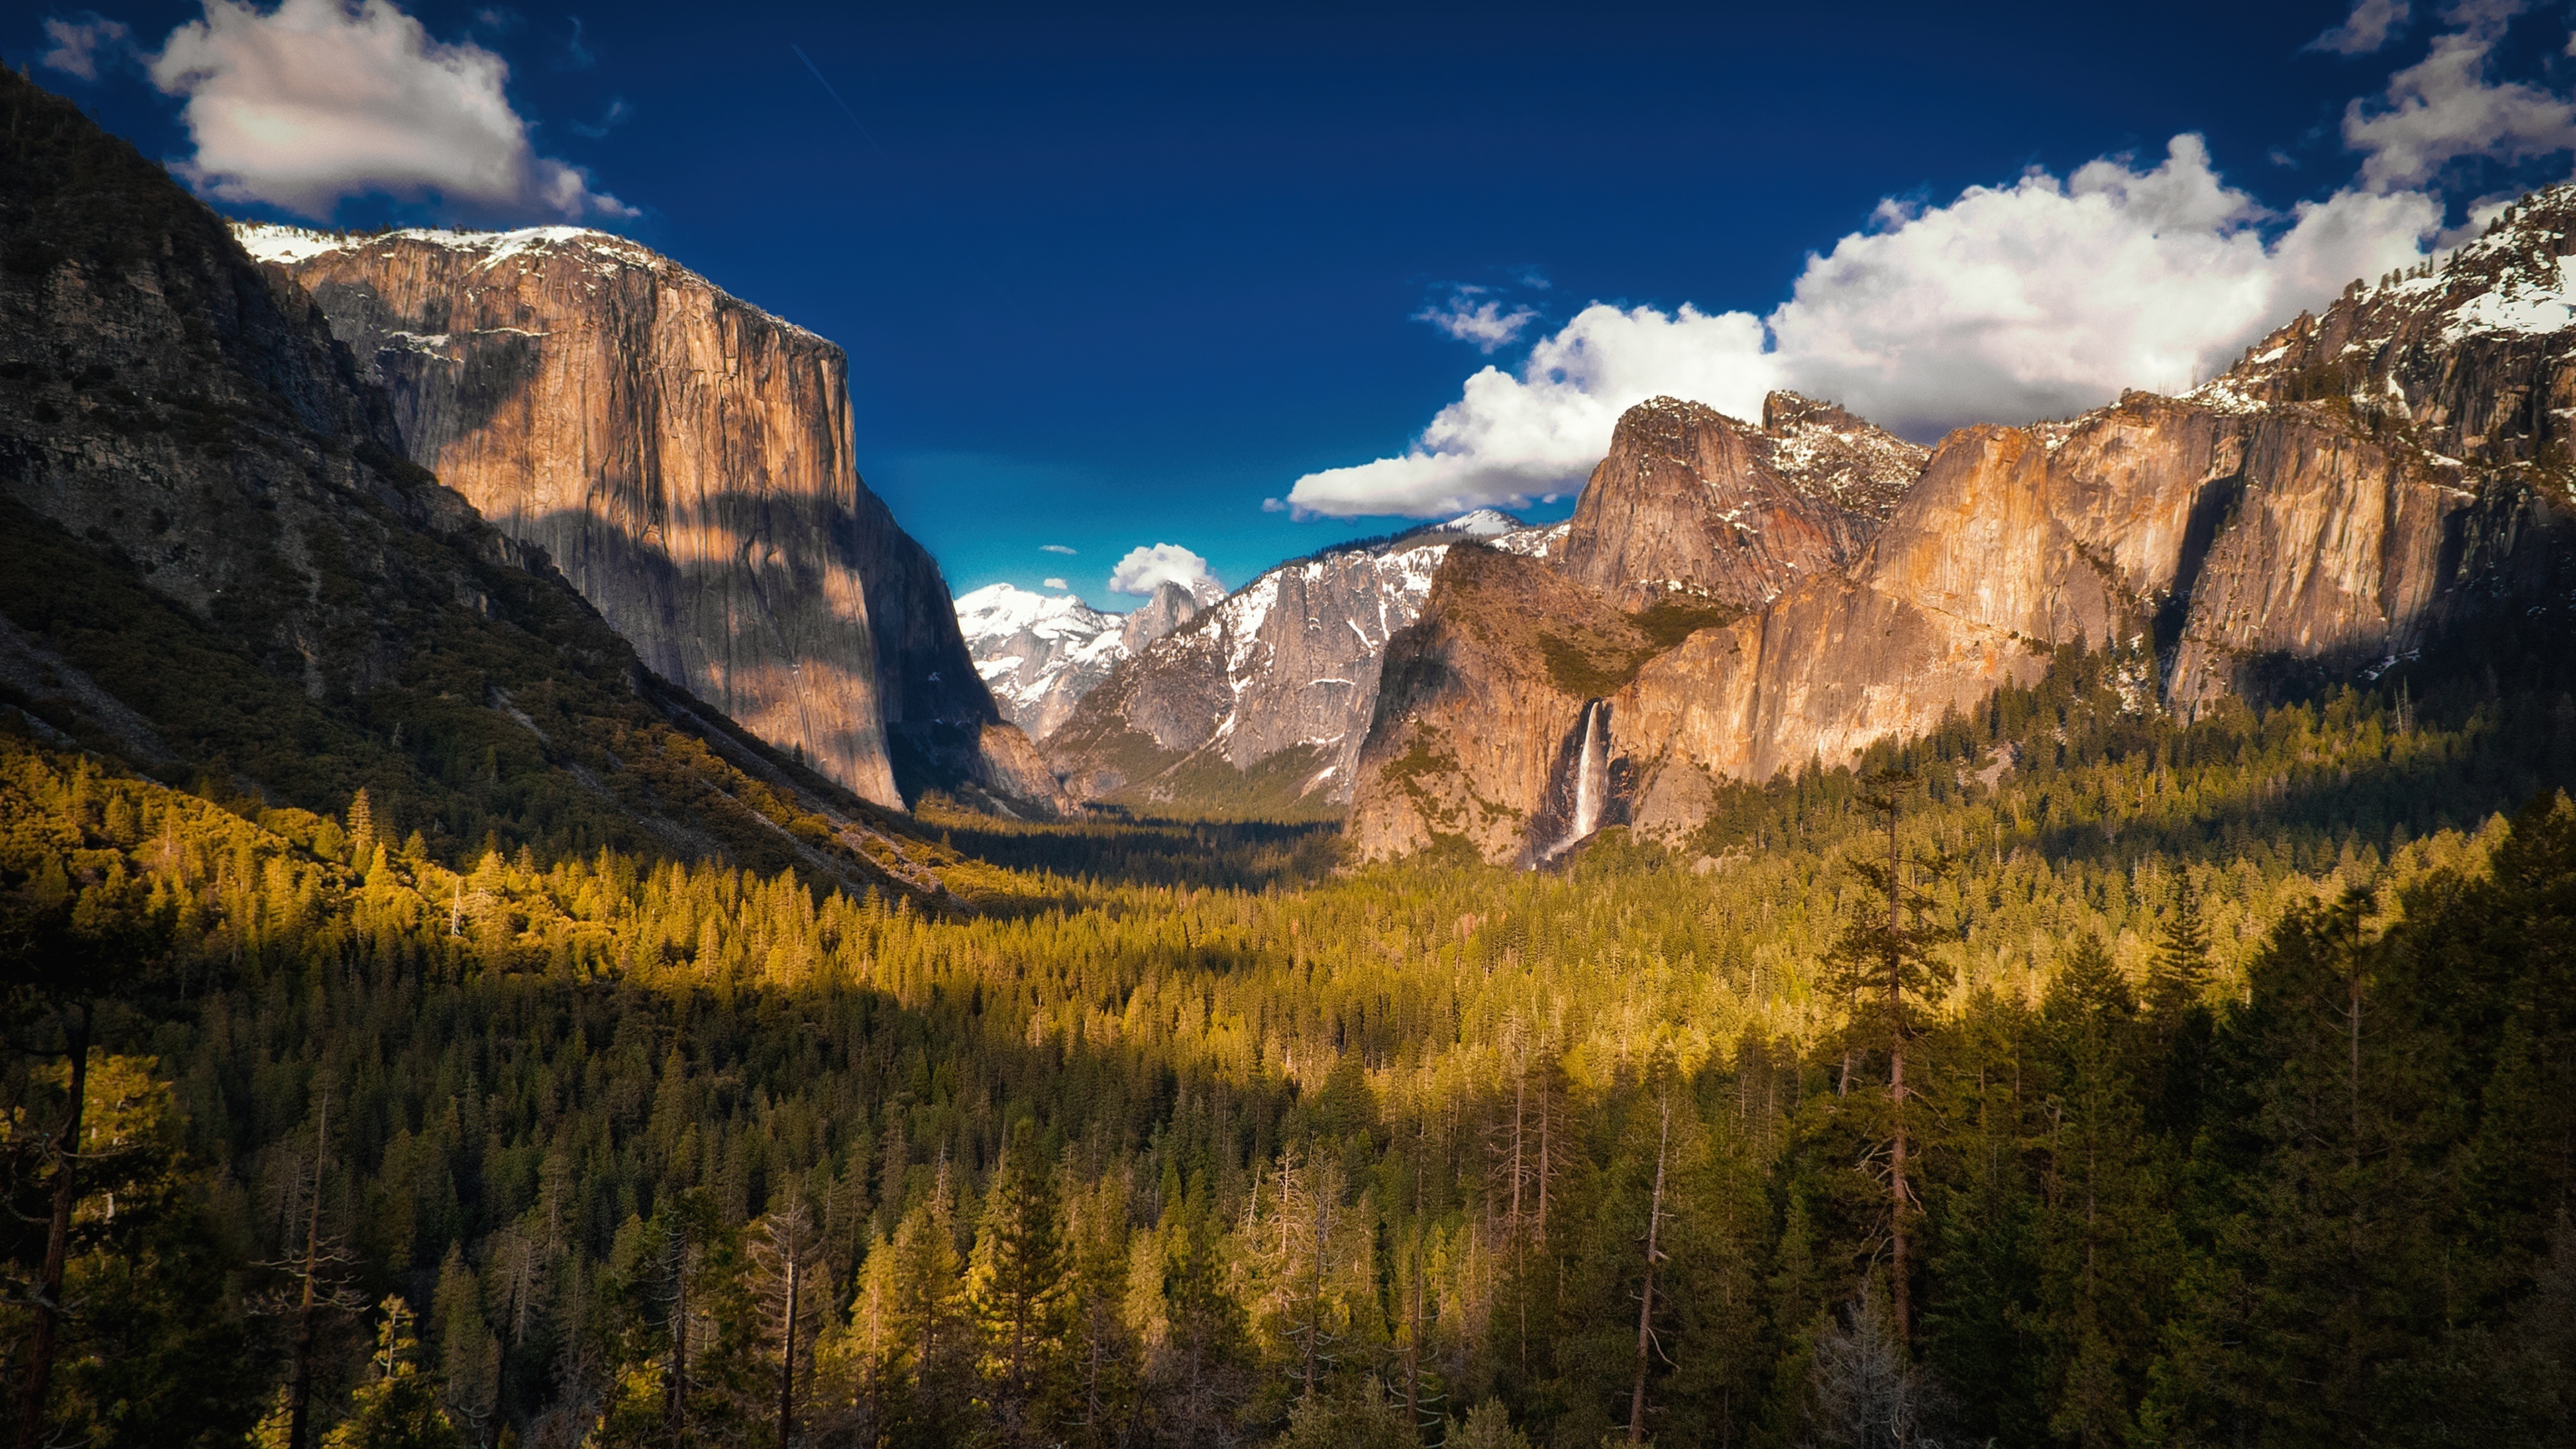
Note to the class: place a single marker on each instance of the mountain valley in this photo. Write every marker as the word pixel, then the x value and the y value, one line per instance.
pixel 530 916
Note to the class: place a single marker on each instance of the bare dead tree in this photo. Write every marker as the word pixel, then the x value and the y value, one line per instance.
pixel 319 1272
pixel 787 1253
pixel 1646 1299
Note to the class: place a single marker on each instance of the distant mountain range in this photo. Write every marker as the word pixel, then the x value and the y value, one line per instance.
pixel 1258 704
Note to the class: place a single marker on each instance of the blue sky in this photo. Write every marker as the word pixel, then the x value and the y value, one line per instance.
pixel 1115 277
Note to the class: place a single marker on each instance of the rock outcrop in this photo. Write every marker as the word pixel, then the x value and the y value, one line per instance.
pixel 685 458
pixel 1263 700
pixel 1481 706
pixel 1169 607
pixel 1692 504
pixel 2361 483
pixel 216 562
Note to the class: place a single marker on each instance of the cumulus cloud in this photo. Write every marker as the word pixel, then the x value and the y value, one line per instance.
pixel 1470 315
pixel 2448 106
pixel 1055 548
pixel 1145 567
pixel 1057 584
pixel 320 100
pixel 2046 297
pixel 2365 30
pixel 79 45
pixel 2036 299
pixel 1512 436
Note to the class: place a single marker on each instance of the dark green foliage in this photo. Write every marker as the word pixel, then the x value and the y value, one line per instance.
pixel 1248 1150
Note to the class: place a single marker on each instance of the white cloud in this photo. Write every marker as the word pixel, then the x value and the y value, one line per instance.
pixel 2365 30
pixel 1057 584
pixel 2045 297
pixel 1055 548
pixel 1509 438
pixel 2036 299
pixel 1145 567
pixel 2446 107
pixel 1483 323
pixel 319 100
pixel 78 44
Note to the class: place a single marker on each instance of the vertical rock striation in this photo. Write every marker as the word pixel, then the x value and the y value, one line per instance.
pixel 1692 504
pixel 2359 484
pixel 685 458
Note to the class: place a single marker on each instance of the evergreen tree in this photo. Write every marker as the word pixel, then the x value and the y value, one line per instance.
pixel 1018 1287
pixel 932 1324
pixel 398 1407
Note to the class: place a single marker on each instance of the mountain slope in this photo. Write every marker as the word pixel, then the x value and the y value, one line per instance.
pixel 1693 504
pixel 2360 487
pixel 1260 703
pixel 686 457
pixel 1041 653
pixel 215 564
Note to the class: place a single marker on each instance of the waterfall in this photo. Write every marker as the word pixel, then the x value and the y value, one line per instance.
pixel 1591 779
pixel 1592 768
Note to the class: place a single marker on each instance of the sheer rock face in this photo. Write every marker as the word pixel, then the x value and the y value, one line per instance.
pixel 185 415
pixel 1160 616
pixel 685 459
pixel 1475 719
pixel 1694 504
pixel 2357 485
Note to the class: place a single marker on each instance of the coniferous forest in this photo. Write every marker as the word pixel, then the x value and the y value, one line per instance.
pixel 2071 1075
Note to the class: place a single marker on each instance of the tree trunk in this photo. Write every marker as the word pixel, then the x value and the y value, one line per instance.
pixel 787 1363
pixel 675 1403
pixel 299 1388
pixel 1646 1301
pixel 1899 1196
pixel 49 1295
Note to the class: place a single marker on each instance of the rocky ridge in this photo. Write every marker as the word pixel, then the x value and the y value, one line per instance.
pixel 1693 504
pixel 1264 699
pixel 1041 653
pixel 685 457
pixel 2362 482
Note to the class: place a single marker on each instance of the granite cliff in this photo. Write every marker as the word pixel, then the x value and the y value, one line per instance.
pixel 216 564
pixel 1692 504
pixel 2360 484
pixel 685 458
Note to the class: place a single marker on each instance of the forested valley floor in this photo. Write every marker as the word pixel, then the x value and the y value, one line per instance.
pixel 2238 1106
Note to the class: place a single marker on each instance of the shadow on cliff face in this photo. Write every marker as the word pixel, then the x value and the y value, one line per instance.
pixel 2501 681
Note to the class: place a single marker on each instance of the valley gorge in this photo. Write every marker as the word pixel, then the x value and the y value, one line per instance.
pixel 1260 702
pixel 529 916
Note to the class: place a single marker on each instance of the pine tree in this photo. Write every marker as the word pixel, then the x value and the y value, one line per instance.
pixel 398 1408
pixel 1881 962
pixel 791 1287
pixel 469 1355
pixel 1018 1288
pixel 931 1319
pixel 362 827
